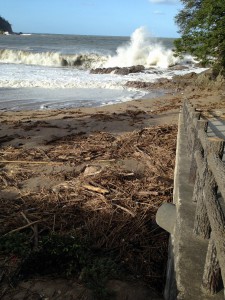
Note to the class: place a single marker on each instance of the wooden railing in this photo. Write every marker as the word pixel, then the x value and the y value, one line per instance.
pixel 207 173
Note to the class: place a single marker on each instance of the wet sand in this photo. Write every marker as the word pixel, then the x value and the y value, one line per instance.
pixel 32 128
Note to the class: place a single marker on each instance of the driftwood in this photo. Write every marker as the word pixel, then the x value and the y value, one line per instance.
pixel 125 209
pixel 107 207
pixel 95 189
pixel 23 227
pixel 34 228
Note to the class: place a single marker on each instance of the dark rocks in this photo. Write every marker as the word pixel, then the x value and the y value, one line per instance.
pixel 178 68
pixel 139 84
pixel 163 82
pixel 103 70
pixel 118 70
pixel 188 76
pixel 177 83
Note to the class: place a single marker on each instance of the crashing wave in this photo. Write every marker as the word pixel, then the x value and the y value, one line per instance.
pixel 144 50
pixel 141 50
pixel 83 61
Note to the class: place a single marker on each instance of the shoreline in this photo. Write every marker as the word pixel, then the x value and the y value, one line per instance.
pixel 148 111
pixel 116 118
pixel 30 128
pixel 35 99
pixel 87 171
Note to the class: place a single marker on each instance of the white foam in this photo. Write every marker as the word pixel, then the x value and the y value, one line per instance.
pixel 50 77
pixel 142 50
pixel 86 61
pixel 18 76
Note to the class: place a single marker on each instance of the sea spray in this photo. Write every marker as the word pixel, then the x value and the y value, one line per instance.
pixel 142 50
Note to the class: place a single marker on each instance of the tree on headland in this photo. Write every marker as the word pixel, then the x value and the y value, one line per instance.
pixel 202 29
pixel 5 26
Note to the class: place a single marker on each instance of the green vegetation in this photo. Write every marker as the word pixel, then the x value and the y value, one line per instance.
pixel 63 255
pixel 5 26
pixel 202 24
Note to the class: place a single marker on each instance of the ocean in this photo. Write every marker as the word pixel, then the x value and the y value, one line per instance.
pixel 45 71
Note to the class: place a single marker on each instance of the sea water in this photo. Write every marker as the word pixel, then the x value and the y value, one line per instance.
pixel 43 71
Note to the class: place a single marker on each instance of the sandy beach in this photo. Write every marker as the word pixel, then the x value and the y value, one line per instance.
pixel 31 128
pixel 90 170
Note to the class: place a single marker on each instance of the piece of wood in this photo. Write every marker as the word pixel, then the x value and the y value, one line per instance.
pixel 125 209
pixel 25 217
pixel 95 189
pixel 34 228
pixel 23 227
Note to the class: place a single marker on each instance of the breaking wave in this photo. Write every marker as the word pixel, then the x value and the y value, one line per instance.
pixel 83 61
pixel 143 50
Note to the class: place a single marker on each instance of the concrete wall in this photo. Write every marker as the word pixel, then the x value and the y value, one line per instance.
pixel 187 252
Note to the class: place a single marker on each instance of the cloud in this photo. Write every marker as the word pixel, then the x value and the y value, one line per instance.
pixel 163 1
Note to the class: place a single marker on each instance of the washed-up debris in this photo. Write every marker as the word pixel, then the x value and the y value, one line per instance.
pixel 108 190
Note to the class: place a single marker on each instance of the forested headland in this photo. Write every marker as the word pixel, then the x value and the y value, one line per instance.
pixel 5 26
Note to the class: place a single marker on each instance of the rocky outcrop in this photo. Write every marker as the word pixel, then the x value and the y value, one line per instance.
pixel 163 82
pixel 177 83
pixel 5 26
pixel 118 70
pixel 178 68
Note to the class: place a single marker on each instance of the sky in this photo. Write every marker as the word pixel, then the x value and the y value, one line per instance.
pixel 92 17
